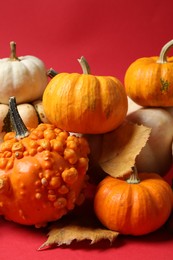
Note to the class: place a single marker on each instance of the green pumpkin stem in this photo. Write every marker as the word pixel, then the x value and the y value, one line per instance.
pixel 51 73
pixel 85 66
pixel 13 56
pixel 164 51
pixel 133 179
pixel 16 120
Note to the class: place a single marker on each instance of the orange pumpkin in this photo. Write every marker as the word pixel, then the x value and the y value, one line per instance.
pixel 42 172
pixel 149 81
pixel 84 103
pixel 137 206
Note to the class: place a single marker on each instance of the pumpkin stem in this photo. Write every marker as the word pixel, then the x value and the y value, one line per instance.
pixel 134 179
pixel 13 51
pixel 16 120
pixel 85 66
pixel 51 73
pixel 163 53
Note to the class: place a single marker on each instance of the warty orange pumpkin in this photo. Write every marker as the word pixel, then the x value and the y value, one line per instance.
pixel 149 81
pixel 42 172
pixel 85 103
pixel 136 206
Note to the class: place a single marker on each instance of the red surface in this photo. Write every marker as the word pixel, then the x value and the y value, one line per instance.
pixel 110 34
pixel 19 243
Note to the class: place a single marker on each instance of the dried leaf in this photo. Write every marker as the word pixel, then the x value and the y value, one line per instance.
pixel 116 151
pixel 78 226
pixel 64 234
pixel 120 148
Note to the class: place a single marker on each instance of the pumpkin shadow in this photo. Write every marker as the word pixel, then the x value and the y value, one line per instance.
pixel 159 236
pixel 86 245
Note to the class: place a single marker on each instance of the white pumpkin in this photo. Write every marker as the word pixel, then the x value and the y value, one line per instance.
pixel 28 114
pixel 38 105
pixel 23 77
pixel 156 156
pixel 132 106
pixel 3 113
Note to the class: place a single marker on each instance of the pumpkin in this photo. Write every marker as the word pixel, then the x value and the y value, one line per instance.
pixel 23 77
pixel 42 172
pixel 156 156
pixel 38 106
pixel 149 80
pixel 136 206
pixel 31 113
pixel 132 106
pixel 84 103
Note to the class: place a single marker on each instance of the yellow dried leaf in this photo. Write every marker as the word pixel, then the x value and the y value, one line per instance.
pixel 121 147
pixel 80 225
pixel 116 151
pixel 66 234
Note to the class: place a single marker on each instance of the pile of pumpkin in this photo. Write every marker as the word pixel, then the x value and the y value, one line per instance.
pixel 43 167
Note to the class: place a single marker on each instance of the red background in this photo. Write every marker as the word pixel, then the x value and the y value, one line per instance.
pixel 110 34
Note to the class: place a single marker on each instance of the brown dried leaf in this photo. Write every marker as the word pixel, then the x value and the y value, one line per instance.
pixel 64 234
pixel 80 225
pixel 118 149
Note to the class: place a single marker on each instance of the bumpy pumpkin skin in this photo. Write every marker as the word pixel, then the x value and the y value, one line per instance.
pixel 42 176
pixel 149 83
pixel 85 103
pixel 134 209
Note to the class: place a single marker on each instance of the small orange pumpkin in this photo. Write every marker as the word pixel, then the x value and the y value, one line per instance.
pixel 42 172
pixel 84 103
pixel 137 206
pixel 149 81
